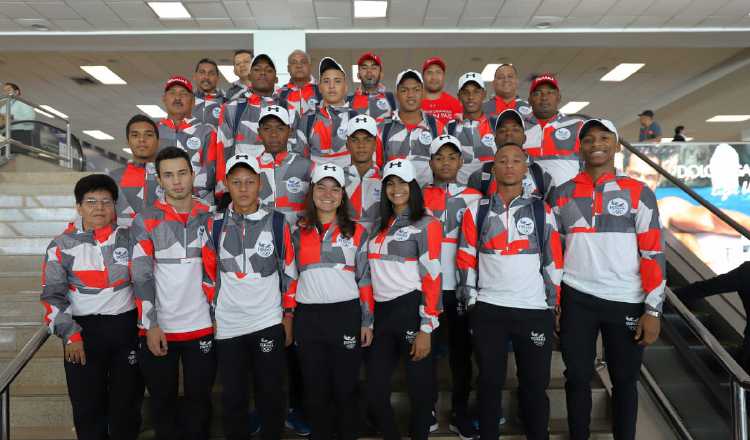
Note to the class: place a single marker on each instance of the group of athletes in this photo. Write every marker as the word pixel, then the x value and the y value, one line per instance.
pixel 286 239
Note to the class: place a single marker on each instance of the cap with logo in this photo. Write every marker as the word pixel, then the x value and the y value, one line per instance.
pixel 509 113
pixel 545 78
pixel 605 124
pixel 323 170
pixel 409 73
pixel 362 122
pixel 263 57
pixel 177 80
pixel 445 139
pixel 276 111
pixel 369 56
pixel 245 159
pixel 649 113
pixel 328 63
pixel 437 61
pixel 470 77
pixel 401 168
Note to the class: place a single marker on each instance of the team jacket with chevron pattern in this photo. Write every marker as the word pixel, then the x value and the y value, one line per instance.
pixel 477 139
pixel 172 290
pixel 613 239
pixel 246 269
pixel 512 270
pixel 447 202
pixel 198 140
pixel 406 257
pixel 364 195
pixel 85 273
pixel 496 105
pixel 554 145
pixel 326 139
pixel 484 180
pixel 333 268
pixel 236 90
pixel 302 100
pixel 207 107
pixel 412 143
pixel 381 105
pixel 285 182
pixel 137 187
pixel 243 139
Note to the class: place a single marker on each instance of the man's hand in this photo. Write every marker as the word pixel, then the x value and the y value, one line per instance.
pixel 421 346
pixel 366 336
pixel 648 329
pixel 156 341
pixel 74 353
pixel 289 336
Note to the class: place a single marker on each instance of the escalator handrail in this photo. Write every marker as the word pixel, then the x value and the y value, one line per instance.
pixel 78 148
pixel 4 97
pixel 709 340
pixel 697 197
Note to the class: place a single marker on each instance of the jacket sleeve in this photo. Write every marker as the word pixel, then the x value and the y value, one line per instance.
pixel 288 274
pixel 55 299
pixel 552 260
pixel 364 281
pixel 429 245
pixel 208 256
pixel 142 269
pixel 651 249
pixel 467 257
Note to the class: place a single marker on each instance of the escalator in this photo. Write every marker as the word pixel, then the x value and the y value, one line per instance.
pixel 692 370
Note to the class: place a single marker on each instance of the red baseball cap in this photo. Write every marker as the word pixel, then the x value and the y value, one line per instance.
pixel 545 78
pixel 177 80
pixel 369 56
pixel 433 60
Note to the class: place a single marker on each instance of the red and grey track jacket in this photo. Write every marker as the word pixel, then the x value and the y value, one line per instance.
pixel 614 248
pixel 381 105
pixel 198 139
pixel 447 202
pixel 85 273
pixel 207 107
pixel 172 289
pixel 496 105
pixel 483 180
pixel 477 139
pixel 321 135
pixel 412 143
pixel 364 195
pixel 333 268
pixel 302 100
pixel 285 181
pixel 554 145
pixel 405 257
pixel 252 282
pixel 137 187
pixel 503 264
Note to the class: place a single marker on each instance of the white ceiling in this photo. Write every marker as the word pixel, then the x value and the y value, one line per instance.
pixel 118 15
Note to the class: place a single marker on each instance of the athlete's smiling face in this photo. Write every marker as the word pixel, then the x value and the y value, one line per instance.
pixel 598 147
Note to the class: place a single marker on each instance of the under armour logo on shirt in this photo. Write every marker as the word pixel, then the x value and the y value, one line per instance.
pixel 329 167
pixel 395 164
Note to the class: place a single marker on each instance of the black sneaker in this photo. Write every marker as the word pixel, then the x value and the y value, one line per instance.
pixel 462 427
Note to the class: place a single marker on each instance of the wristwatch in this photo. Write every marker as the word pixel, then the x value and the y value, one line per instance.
pixel 654 313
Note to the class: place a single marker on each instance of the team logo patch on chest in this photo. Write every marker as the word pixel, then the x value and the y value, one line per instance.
pixel 294 185
pixel 341 132
pixel 562 134
pixel 193 143
pixel 344 242
pixel 488 140
pixel 524 110
pixel 525 226
pixel 216 111
pixel 402 234
pixel 264 248
pixel 120 255
pixel 618 207
pixel 425 137
pixel 382 104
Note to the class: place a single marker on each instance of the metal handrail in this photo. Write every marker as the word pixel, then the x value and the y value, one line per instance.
pixel 12 370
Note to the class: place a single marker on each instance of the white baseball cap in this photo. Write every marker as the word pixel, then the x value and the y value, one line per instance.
pixel 276 111
pixel 603 123
pixel 399 167
pixel 445 139
pixel 246 159
pixel 409 73
pixel 323 170
pixel 468 77
pixel 362 122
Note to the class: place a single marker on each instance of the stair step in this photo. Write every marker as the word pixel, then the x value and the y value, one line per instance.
pixel 20 266
pixel 47 196
pixel 24 245
pixel 32 229
pixel 41 179
pixel 20 214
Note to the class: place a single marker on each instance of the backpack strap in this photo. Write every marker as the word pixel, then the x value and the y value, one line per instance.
pixel 539 221
pixel 216 232
pixel 451 127
pixel 278 222
pixel 241 106
pixel 482 212
pixel 432 122
pixel 391 100
pixel 537 174
pixel 485 183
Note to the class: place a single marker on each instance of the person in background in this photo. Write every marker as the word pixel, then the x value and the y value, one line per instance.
pixel 650 130
pixel 437 102
pixel 87 295
pixel 19 111
pixel 208 98
pixel 241 60
pixel 301 93
pixel 372 98
pixel 678 134
pixel 505 85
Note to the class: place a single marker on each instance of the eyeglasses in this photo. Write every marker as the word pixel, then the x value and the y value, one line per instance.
pixel 104 203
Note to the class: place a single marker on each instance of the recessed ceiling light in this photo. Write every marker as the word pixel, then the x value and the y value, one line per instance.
pixel 729 118
pixel 43 113
pixel 488 73
pixel 104 75
pixel 370 9
pixel 228 73
pixel 153 111
pixel 127 150
pixel 574 107
pixel 355 72
pixel 622 72
pixel 170 10
pixel 54 111
pixel 98 135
